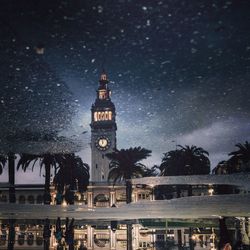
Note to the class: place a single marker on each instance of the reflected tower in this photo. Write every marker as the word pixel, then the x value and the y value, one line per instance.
pixel 103 131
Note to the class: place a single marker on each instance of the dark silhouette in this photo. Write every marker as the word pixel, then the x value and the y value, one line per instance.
pixel 12 233
pixel 125 165
pixel 59 234
pixel 239 162
pixel 10 158
pixel 47 161
pixel 185 161
pixel 3 160
pixel 72 175
pixel 224 234
pixel 46 234
pixel 69 233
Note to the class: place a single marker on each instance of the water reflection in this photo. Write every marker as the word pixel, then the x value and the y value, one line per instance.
pixel 139 234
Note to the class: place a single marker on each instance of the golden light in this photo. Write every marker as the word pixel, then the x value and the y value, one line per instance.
pixel 64 203
pixel 210 191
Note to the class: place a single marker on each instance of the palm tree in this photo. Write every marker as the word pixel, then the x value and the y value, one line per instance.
pixel 185 161
pixel 240 160
pixel 72 173
pixel 196 160
pixel 153 171
pixel 45 160
pixel 125 165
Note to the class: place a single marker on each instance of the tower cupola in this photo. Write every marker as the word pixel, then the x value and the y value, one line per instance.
pixel 103 92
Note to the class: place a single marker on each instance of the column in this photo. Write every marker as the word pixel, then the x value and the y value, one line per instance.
pixel 89 237
pixel 90 199
pixel 136 236
pixel 112 199
pixel 135 196
pixel 112 239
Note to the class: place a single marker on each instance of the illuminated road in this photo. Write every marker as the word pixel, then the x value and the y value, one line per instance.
pixel 186 207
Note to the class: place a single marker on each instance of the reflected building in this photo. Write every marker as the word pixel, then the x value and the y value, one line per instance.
pixel 101 193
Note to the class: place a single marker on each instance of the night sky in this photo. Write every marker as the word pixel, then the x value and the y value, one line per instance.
pixel 179 71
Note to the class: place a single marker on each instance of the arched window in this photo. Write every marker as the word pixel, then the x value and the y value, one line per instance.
pixel 3 198
pixel 101 200
pixel 31 199
pixel 20 239
pixel 39 240
pixel 30 239
pixel 21 199
pixel 3 238
pixel 39 199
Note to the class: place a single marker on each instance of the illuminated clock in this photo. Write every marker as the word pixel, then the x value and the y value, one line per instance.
pixel 102 143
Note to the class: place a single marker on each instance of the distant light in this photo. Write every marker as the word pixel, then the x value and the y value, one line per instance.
pixel 39 50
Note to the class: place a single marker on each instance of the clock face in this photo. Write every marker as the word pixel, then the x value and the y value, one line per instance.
pixel 102 143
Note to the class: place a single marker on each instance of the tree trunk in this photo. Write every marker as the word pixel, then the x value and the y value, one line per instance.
pixel 128 192
pixel 47 196
pixel 11 236
pixel 11 168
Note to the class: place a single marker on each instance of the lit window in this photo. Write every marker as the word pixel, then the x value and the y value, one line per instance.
pixel 95 116
pixel 102 94
pixel 110 115
pixel 103 77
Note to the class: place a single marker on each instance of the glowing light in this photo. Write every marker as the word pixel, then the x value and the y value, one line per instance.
pixel 64 203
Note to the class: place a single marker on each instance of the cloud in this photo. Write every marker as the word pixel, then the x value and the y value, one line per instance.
pixel 219 138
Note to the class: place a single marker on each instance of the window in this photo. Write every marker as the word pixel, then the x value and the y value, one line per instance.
pixel 31 199
pixel 30 239
pixel 21 199
pixel 39 199
pixel 3 198
pixel 20 239
pixel 3 238
pixel 103 116
pixel 102 94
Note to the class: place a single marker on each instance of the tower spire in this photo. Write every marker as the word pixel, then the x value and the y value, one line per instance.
pixel 103 77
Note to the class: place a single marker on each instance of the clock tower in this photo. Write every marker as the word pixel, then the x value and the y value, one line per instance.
pixel 103 131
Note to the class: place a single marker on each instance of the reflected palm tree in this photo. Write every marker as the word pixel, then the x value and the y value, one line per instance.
pixel 72 175
pixel 47 161
pixel 185 160
pixel 125 165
